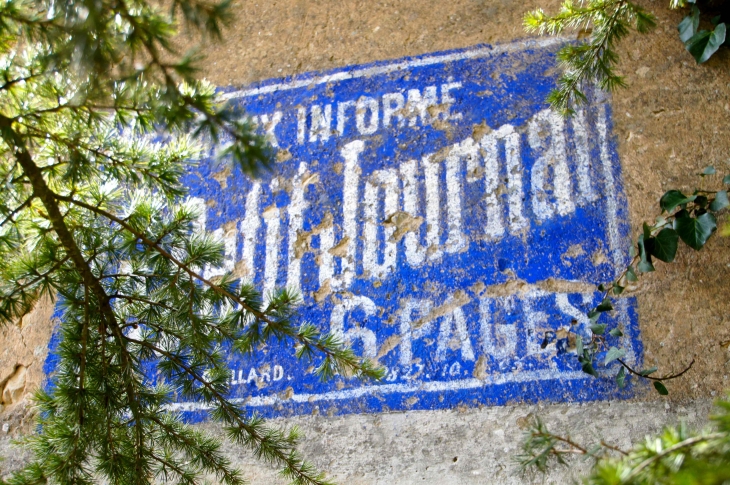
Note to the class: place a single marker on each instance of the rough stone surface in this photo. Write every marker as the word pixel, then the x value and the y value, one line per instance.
pixel 15 386
pixel 23 350
pixel 671 122
pixel 467 446
pixel 471 446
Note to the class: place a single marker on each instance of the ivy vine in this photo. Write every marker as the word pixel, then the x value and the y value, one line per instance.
pixel 690 219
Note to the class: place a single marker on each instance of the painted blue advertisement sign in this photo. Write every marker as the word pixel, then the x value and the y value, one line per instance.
pixel 434 213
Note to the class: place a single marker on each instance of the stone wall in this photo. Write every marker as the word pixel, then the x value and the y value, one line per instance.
pixel 670 123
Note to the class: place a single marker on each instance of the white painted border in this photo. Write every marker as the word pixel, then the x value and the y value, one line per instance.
pixel 480 52
pixel 428 386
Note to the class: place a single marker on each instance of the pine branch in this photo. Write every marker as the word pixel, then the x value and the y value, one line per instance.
pixel 282 454
pixel 56 218
pixel 595 60
pixel 17 210
pixel 361 367
pixel 48 199
pixel 668 451
pixel 218 463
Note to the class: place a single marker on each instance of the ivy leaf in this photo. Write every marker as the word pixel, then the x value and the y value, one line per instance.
pixel 671 199
pixel 660 388
pixel 644 265
pixel 598 328
pixel 587 367
pixel 664 245
pixel 605 306
pixel 647 372
pixel 647 231
pixel 631 275
pixel 695 231
pixel 688 26
pixel 721 201
pixel 726 179
pixel 579 345
pixel 613 354
pixel 705 43
pixel 616 333
pixel 709 170
pixel 621 378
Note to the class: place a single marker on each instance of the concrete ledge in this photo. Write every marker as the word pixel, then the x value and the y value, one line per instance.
pixel 471 446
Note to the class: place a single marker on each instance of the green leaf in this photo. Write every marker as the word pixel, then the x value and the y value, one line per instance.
pixel 721 201
pixel 695 231
pixel 686 29
pixel 688 26
pixel 613 354
pixel 605 306
pixel 726 179
pixel 709 170
pixel 648 371
pixel 673 198
pixel 644 265
pixel 579 345
pixel 660 388
pixel 587 367
pixel 664 245
pixel 621 378
pixel 618 289
pixel 631 275
pixel 598 328
pixel 647 231
pixel 705 43
pixel 616 333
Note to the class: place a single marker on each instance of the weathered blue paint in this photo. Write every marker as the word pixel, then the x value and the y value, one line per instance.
pixel 477 316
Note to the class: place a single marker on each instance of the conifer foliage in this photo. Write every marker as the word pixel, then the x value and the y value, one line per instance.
pixel 93 212
pixel 605 23
pixel 601 24
pixel 675 456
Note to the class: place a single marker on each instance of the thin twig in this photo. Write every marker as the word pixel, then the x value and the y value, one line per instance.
pixel 15 211
pixel 614 448
pixel 665 378
pixel 671 449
